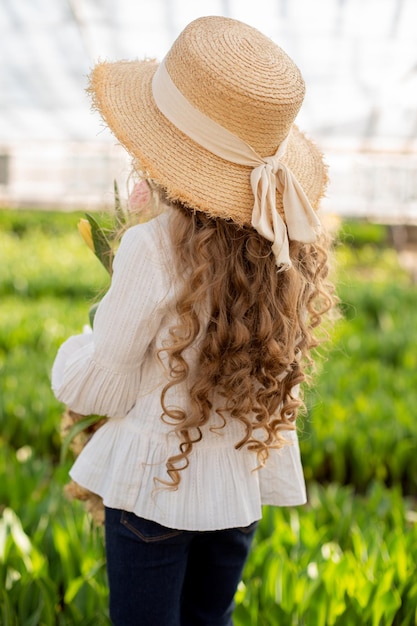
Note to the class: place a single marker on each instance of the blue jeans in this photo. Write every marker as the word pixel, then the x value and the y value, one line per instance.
pixel 164 577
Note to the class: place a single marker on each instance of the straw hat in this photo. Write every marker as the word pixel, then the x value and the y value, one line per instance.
pixel 237 77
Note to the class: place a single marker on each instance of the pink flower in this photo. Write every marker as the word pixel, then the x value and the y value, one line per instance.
pixel 140 197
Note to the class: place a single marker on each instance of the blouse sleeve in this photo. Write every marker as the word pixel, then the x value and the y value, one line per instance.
pixel 99 373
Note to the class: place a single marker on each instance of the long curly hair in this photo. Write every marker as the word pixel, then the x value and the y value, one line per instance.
pixel 255 347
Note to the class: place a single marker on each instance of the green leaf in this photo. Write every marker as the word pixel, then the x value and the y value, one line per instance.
pixel 92 313
pixel 102 246
pixel 73 588
pixel 78 427
pixel 120 213
pixel 385 605
pixel 6 609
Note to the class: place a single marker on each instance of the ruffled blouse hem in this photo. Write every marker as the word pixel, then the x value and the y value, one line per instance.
pixel 221 491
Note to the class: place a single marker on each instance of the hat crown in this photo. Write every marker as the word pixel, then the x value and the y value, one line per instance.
pixel 239 78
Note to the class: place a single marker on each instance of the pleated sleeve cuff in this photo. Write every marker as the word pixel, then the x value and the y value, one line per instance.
pixel 88 387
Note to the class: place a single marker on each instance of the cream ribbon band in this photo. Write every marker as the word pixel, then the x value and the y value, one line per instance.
pixel 268 174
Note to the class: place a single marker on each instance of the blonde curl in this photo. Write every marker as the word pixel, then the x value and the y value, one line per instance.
pixel 256 346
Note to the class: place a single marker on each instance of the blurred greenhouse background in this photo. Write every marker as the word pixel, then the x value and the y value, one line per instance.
pixel 358 57
pixel 347 558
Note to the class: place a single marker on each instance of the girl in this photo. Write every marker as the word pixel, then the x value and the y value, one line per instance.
pixel 201 343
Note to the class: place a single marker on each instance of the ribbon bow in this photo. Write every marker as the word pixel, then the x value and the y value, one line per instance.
pixel 301 221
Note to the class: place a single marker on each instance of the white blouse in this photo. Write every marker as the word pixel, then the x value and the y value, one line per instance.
pixel 115 371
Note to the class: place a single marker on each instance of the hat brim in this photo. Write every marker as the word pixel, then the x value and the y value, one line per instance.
pixel 122 93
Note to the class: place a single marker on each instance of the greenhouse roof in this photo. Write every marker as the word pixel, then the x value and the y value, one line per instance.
pixel 359 59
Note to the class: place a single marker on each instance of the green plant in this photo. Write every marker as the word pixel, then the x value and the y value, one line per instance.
pixel 360 422
pixel 326 565
pixel 357 234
